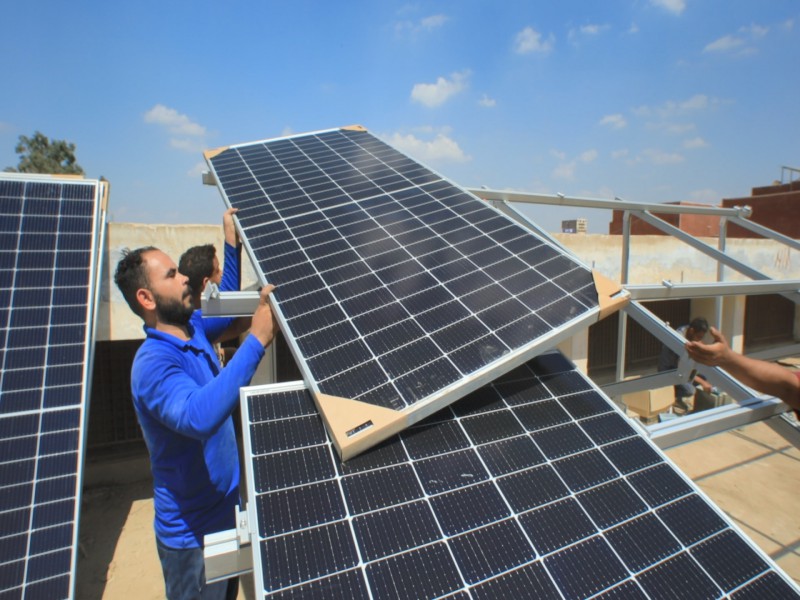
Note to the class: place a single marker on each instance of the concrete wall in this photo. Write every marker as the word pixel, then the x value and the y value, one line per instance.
pixel 115 320
pixel 653 259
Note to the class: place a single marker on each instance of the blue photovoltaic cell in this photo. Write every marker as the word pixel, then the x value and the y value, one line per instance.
pixel 392 283
pixel 48 230
pixel 473 503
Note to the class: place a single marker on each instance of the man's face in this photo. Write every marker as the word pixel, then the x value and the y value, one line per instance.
pixel 170 289
pixel 216 275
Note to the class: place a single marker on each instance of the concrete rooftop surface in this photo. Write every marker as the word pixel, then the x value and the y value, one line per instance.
pixel 751 473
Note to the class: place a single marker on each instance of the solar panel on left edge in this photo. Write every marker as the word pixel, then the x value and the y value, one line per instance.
pixel 396 288
pixel 535 486
pixel 48 233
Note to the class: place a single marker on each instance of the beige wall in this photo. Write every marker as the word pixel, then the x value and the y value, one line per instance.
pixel 115 320
pixel 653 259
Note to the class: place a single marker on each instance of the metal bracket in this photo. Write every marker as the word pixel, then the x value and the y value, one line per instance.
pixel 228 304
pixel 208 178
pixel 227 553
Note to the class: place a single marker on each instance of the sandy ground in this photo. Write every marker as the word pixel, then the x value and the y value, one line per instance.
pixel 752 473
pixel 117 553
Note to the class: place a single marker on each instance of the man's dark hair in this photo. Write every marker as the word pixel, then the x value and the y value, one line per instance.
pixel 699 324
pixel 197 263
pixel 131 275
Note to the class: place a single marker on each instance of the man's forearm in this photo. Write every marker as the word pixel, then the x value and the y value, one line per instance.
pixel 766 377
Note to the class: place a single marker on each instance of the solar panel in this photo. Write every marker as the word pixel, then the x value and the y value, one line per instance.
pixel 49 230
pixel 482 501
pixel 399 291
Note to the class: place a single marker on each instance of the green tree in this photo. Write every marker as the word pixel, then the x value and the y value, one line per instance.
pixel 40 155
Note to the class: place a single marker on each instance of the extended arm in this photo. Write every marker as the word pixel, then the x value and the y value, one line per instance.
pixel 766 377
pixel 223 329
pixel 175 399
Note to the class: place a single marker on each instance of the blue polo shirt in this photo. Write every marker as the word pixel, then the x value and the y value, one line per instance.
pixel 183 401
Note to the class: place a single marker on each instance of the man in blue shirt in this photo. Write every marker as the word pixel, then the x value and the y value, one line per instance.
pixel 201 265
pixel 183 401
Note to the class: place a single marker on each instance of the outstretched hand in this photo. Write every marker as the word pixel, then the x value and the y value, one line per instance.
pixel 713 354
pixel 263 325
pixel 229 228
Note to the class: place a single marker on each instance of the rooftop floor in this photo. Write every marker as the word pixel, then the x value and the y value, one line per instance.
pixel 751 473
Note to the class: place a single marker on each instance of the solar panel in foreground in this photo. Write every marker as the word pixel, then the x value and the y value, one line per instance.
pixel 535 486
pixel 49 229
pixel 399 292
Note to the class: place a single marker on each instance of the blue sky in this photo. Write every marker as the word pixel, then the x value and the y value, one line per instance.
pixel 647 100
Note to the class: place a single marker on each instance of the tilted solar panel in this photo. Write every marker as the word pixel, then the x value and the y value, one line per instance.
pixel 399 291
pixel 534 486
pixel 49 228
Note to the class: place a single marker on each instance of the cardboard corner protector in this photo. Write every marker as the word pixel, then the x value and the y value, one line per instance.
pixel 609 295
pixel 211 154
pixel 354 128
pixel 356 426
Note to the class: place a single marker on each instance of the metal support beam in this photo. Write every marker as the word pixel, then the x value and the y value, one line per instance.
pixel 616 204
pixel 669 290
pixel 646 382
pixel 766 232
pixel 716 420
pixel 721 257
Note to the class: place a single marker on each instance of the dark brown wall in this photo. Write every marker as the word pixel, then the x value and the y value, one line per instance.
pixel 780 212
pixel 696 225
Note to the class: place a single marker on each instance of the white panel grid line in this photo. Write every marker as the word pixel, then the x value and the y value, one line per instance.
pixel 647 512
pixel 374 256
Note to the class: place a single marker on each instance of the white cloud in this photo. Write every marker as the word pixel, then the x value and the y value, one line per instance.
pixel 441 148
pixel 433 22
pixel 738 44
pixel 696 102
pixel 529 40
pixel 197 170
pixel 659 157
pixel 755 31
pixel 672 108
pixel 634 28
pixel 788 24
pixel 674 6
pixel 675 128
pixel 426 24
pixel 593 29
pixel 586 31
pixel 487 102
pixel 173 121
pixel 616 121
pixel 696 142
pixel 565 170
pixel 617 154
pixel 726 43
pixel 435 94
pixel 187 144
pixel 188 136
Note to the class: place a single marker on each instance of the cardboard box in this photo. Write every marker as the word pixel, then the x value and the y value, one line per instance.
pixel 649 403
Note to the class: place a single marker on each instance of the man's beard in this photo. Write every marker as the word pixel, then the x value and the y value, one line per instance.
pixel 173 312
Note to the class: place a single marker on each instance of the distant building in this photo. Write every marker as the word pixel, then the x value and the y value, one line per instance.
pixel 574 226
pixel 695 225
pixel 774 206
